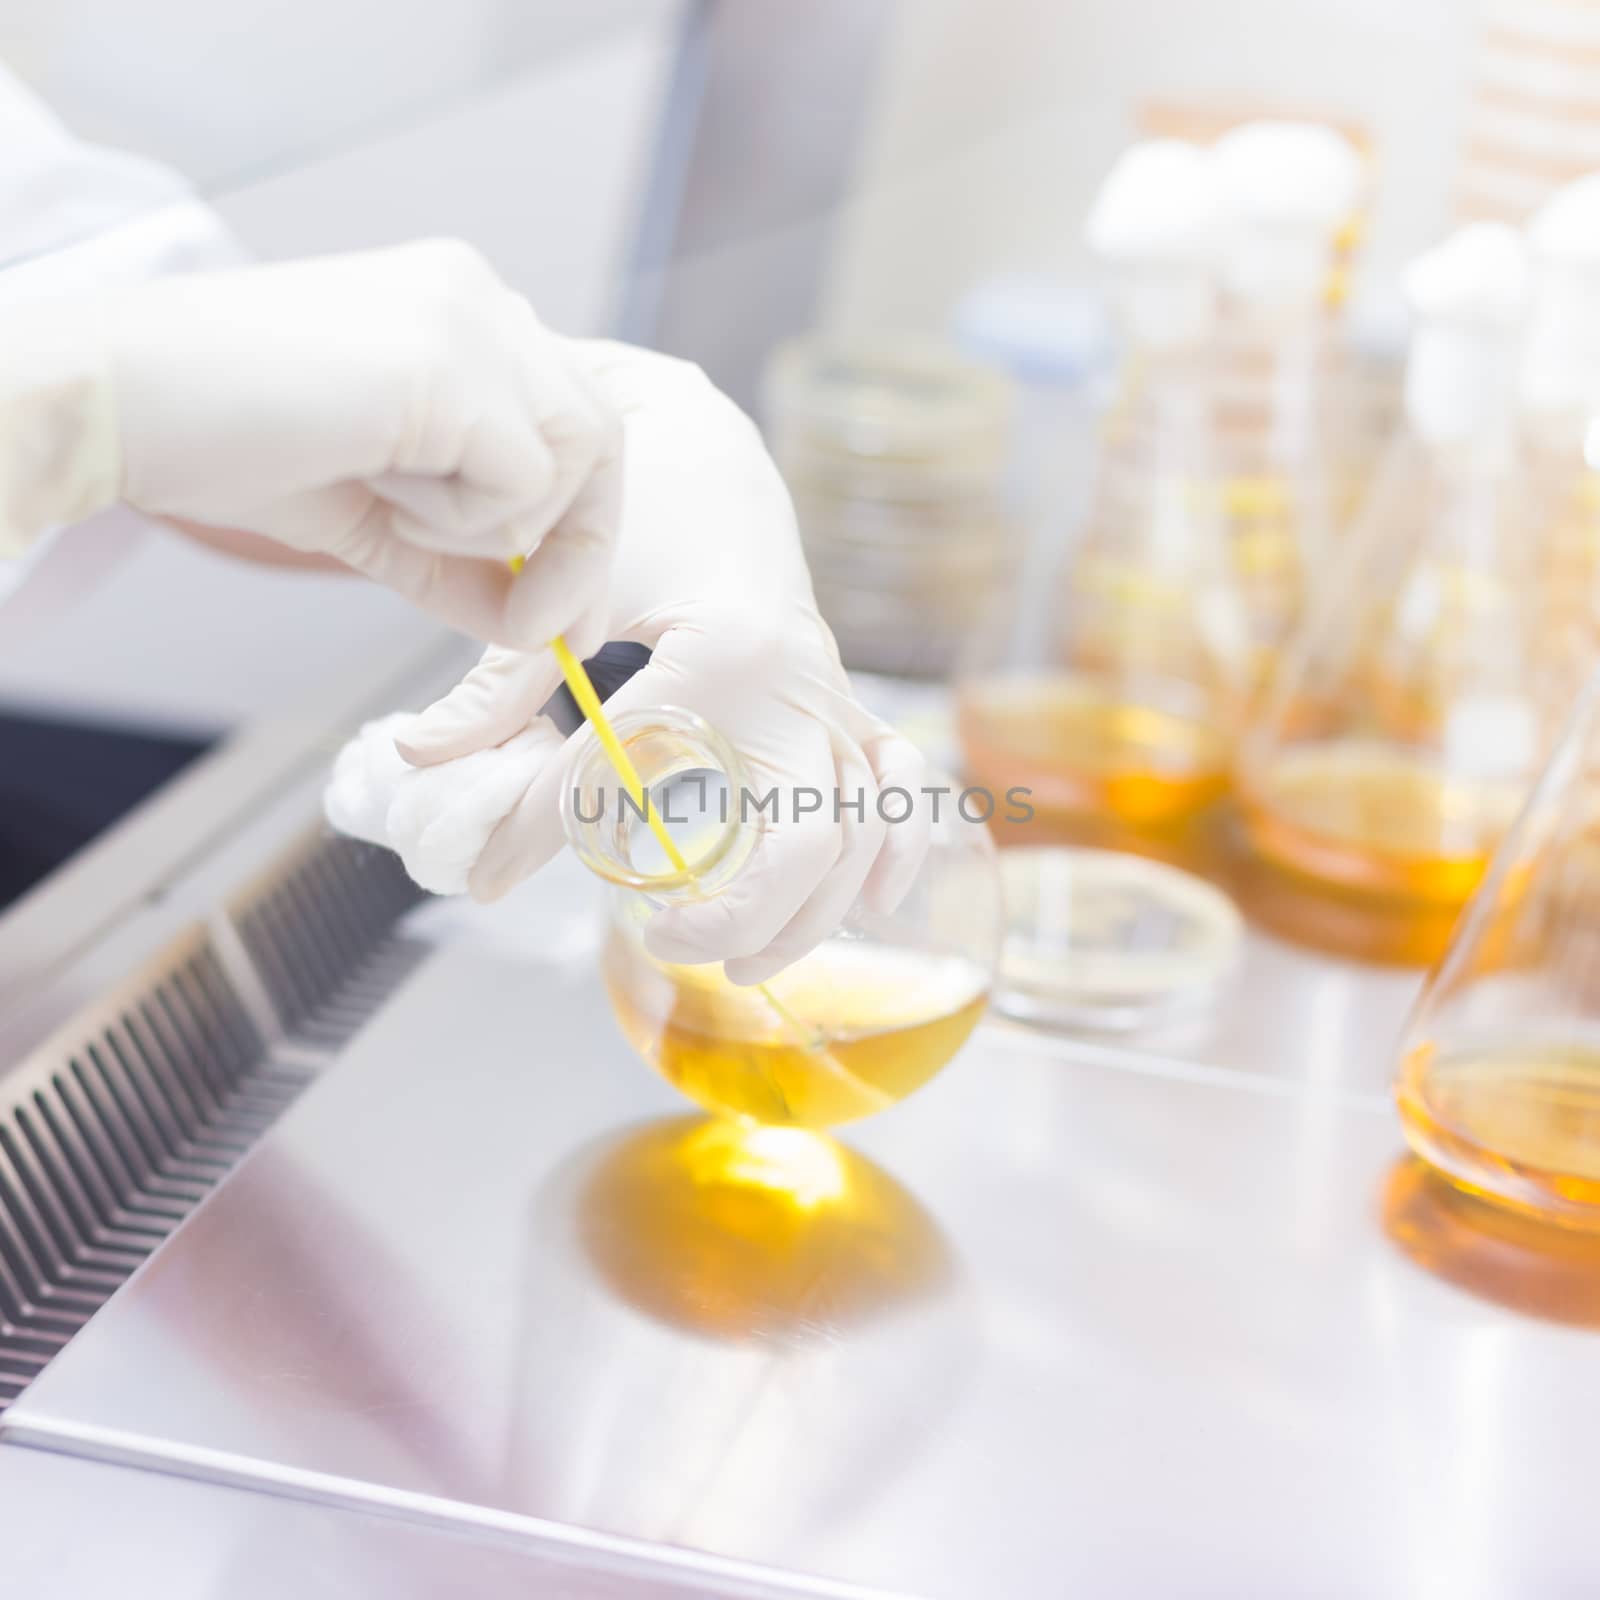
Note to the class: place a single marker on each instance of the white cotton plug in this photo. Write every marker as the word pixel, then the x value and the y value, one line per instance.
pixel 1284 190
pixel 1479 275
pixel 1298 174
pixel 1158 203
pixel 438 818
pixel 1470 298
pixel 366 776
pixel 1155 223
pixel 1560 370
pixel 1567 226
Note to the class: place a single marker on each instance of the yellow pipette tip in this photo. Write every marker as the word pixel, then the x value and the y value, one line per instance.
pixel 583 691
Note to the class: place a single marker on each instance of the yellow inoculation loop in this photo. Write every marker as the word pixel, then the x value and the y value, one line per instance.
pixel 583 691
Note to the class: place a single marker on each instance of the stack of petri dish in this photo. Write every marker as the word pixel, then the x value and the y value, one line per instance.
pixel 896 453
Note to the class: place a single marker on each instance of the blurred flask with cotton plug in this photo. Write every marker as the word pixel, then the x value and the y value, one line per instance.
pixel 1286 192
pixel 1416 703
pixel 1111 691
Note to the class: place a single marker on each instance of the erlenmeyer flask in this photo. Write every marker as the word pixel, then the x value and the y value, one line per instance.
pixel 1499 1079
pixel 1112 696
pixel 1414 708
pixel 1119 701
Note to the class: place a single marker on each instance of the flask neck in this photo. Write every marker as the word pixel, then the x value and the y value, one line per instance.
pixel 1459 388
pixel 1163 308
pixel 695 793
pixel 1558 381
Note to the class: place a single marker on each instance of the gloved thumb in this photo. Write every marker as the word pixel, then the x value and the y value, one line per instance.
pixel 496 700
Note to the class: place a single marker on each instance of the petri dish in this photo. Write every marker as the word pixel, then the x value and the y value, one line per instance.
pixel 1102 942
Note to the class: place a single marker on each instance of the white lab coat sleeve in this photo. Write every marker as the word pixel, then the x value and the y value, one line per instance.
pixel 76 220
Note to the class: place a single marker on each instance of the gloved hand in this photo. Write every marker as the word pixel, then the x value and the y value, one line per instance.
pixel 402 411
pixel 710 575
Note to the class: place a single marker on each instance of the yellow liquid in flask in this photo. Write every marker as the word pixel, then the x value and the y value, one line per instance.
pixel 1518 1122
pixel 1375 819
pixel 889 1019
pixel 1079 747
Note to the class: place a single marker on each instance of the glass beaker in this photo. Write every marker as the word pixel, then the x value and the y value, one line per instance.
pixel 1499 1077
pixel 860 1023
pixel 896 453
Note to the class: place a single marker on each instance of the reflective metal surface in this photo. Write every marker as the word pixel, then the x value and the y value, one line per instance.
pixel 76 1530
pixel 1067 1319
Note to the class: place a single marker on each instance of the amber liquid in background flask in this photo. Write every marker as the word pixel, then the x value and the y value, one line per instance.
pixel 1412 711
pixel 1499 1078
pixel 864 1020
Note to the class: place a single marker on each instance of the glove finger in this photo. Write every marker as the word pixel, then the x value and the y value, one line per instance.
pixel 496 700
pixel 861 839
pixel 455 517
pixel 466 592
pixel 581 432
pixel 898 764
pixel 795 855
pixel 561 590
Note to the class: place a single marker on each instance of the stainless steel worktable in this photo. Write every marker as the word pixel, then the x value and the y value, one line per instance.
pixel 1166 1317
pixel 1124 1322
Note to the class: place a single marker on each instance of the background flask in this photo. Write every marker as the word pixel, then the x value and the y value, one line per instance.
pixel 1499 1076
pixel 1111 690
pixel 1112 693
pixel 1412 712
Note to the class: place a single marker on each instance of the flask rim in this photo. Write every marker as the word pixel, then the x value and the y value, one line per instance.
pixel 703 749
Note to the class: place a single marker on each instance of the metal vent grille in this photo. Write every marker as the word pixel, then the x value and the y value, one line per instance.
pixel 312 928
pixel 110 1138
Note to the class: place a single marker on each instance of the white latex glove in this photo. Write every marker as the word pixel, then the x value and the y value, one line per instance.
pixel 710 575
pixel 402 411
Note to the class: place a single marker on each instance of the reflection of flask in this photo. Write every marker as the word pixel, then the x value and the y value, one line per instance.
pixel 1412 711
pixel 737 1340
pixel 861 1022
pixel 1119 701
pixel 1500 1075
